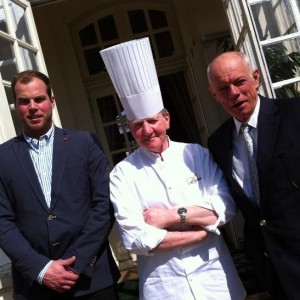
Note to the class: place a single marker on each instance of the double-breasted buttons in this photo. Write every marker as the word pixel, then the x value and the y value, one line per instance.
pixel 262 223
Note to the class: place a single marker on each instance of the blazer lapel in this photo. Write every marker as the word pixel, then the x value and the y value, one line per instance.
pixel 60 147
pixel 268 123
pixel 225 154
pixel 23 156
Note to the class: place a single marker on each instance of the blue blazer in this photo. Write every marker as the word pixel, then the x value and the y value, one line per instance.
pixel 78 221
pixel 272 229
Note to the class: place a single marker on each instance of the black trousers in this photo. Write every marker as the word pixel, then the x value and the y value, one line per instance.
pixel 271 281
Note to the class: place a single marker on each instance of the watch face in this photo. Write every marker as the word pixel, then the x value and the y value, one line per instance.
pixel 182 210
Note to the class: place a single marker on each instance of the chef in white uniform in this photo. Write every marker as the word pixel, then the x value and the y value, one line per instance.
pixel 169 197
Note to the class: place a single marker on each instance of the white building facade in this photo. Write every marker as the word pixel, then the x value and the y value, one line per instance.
pixel 62 38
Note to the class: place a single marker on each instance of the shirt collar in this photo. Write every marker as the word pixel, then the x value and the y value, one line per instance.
pixel 252 121
pixel 47 136
pixel 154 155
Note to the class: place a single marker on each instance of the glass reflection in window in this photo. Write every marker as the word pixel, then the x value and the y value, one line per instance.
pixel 29 59
pixel 20 22
pixel 273 19
pixel 17 124
pixel 283 59
pixel 7 60
pixel 3 25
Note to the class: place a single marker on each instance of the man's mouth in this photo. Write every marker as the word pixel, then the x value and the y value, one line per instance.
pixel 239 104
pixel 148 138
pixel 34 117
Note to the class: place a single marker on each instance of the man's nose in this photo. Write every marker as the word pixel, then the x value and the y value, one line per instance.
pixel 146 127
pixel 32 104
pixel 234 90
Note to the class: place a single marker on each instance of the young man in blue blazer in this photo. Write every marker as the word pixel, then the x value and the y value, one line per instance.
pixel 55 212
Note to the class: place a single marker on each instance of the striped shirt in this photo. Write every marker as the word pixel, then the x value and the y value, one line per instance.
pixel 41 152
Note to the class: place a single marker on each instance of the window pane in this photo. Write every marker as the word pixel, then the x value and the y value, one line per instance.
pixel 88 35
pixel 273 19
pixel 20 23
pixel 29 59
pixel 107 109
pixel 164 44
pixel 158 19
pixel 93 61
pixel 115 139
pixel 288 91
pixel 108 28
pixel 122 123
pixel 3 25
pixel 283 59
pixel 137 21
pixel 7 61
pixel 17 124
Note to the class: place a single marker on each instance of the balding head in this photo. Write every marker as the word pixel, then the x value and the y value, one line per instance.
pixel 234 83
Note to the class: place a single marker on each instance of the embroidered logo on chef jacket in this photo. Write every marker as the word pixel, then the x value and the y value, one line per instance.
pixel 193 179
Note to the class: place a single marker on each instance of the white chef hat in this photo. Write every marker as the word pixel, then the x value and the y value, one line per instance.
pixel 131 68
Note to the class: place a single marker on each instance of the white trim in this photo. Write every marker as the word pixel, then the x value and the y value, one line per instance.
pixel 246 39
pixel 282 83
pixel 7 128
pixel 252 2
pixel 280 39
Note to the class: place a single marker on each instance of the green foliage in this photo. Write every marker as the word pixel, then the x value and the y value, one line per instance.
pixel 283 65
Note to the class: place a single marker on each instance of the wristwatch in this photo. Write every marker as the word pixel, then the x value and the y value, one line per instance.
pixel 182 214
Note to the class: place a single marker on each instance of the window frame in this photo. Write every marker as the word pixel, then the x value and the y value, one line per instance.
pixel 7 127
pixel 253 46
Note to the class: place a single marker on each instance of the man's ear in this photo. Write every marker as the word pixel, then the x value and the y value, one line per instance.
pixel 255 75
pixel 52 99
pixel 168 119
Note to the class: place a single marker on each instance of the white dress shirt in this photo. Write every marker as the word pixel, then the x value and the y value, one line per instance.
pixel 240 164
pixel 41 153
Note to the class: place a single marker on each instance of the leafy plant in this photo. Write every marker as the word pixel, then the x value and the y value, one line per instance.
pixel 283 65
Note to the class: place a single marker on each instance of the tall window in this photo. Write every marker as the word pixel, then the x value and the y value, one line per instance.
pixel 105 31
pixel 269 32
pixel 278 28
pixel 19 50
